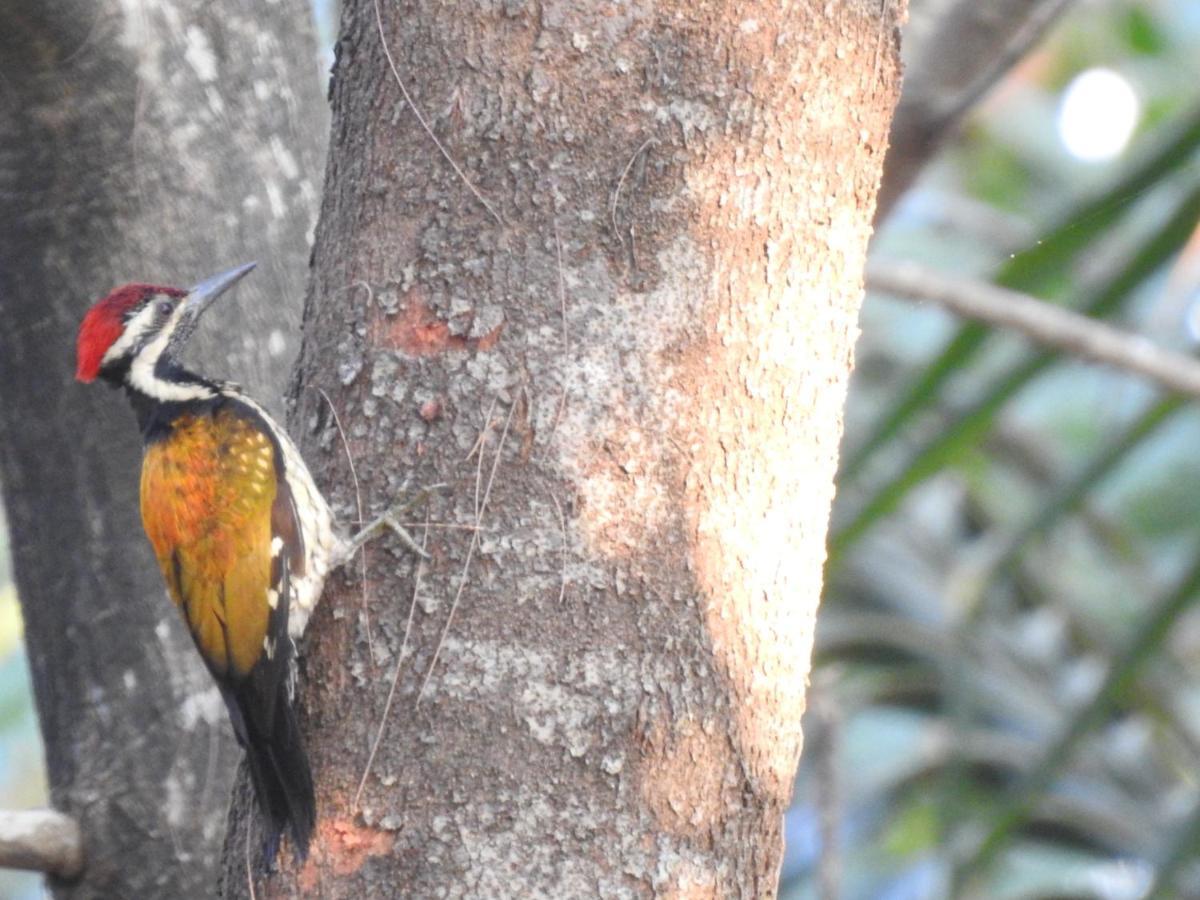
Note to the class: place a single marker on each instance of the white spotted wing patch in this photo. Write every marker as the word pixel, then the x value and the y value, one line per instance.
pixel 312 543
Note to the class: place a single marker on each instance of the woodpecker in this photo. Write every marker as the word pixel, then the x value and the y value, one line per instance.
pixel 241 533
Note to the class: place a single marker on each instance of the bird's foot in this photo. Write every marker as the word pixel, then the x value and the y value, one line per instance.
pixel 389 520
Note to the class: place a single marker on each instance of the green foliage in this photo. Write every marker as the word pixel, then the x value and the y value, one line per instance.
pixel 998 175
pixel 1141 32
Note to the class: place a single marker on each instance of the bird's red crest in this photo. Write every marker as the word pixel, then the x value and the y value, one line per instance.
pixel 103 324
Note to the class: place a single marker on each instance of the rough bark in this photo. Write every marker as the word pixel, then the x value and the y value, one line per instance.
pixel 632 381
pixel 138 141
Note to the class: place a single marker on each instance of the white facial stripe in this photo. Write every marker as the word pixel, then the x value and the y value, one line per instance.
pixel 131 336
pixel 142 375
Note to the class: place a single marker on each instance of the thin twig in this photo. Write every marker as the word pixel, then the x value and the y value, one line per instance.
pixel 387 706
pixel 420 118
pixel 480 508
pixel 616 198
pixel 1052 326
pixel 358 504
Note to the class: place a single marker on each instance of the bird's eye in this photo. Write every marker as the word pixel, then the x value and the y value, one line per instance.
pixel 164 308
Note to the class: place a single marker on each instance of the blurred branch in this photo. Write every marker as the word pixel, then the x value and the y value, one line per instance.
pixel 1052 326
pixel 954 53
pixel 1042 261
pixel 41 840
pixel 964 428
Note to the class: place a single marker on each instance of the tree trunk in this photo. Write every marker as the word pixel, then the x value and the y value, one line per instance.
pixel 154 141
pixel 629 367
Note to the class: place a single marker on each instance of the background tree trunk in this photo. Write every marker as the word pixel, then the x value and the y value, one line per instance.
pixel 955 51
pixel 631 375
pixel 138 141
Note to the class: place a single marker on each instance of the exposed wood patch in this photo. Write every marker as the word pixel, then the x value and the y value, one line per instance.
pixel 417 331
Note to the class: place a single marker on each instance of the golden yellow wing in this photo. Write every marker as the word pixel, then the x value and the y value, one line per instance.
pixel 208 489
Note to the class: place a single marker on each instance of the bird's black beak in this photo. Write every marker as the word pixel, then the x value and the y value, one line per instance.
pixel 199 298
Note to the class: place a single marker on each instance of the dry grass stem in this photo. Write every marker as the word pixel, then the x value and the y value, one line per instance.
pixel 480 508
pixel 359 507
pixel 616 198
pixel 420 118
pixel 387 706
pixel 566 337
pixel 477 447
pixel 562 524
pixel 448 526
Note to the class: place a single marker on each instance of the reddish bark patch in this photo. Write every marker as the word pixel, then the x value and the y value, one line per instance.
pixel 341 848
pixel 417 331
pixel 431 410
pixel 489 340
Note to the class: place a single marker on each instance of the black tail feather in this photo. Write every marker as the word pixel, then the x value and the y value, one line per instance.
pixel 278 766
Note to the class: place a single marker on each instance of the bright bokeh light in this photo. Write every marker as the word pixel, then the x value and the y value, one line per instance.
pixel 1097 115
